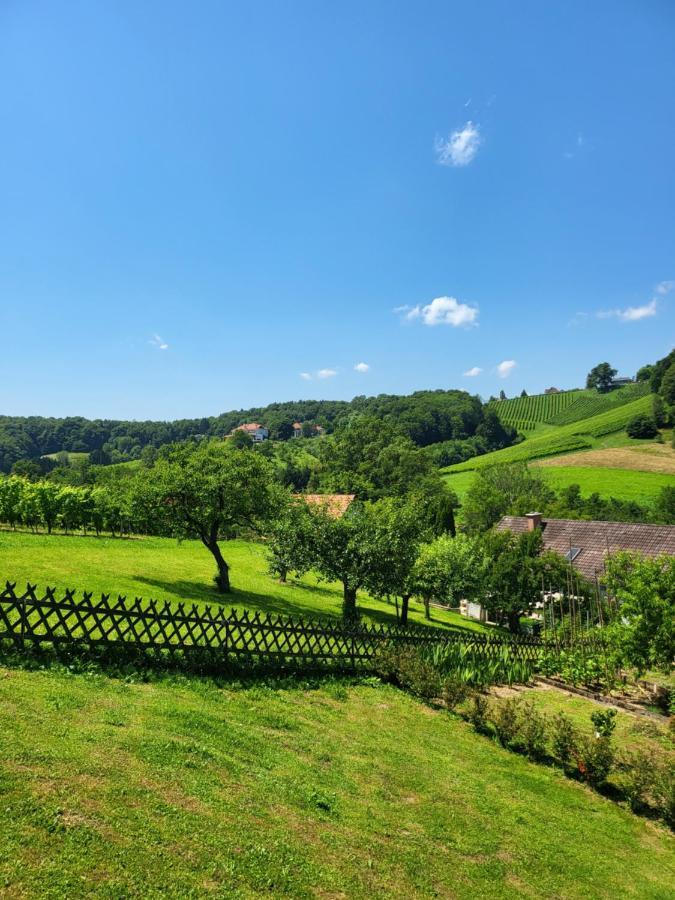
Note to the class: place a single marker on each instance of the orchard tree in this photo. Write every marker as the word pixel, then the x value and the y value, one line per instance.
pixel 449 570
pixel 400 527
pixel 290 545
pixel 504 489
pixel 209 491
pixel 644 632
pixel 600 377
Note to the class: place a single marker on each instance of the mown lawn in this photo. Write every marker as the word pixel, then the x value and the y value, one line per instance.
pixel 624 484
pixel 184 789
pixel 163 569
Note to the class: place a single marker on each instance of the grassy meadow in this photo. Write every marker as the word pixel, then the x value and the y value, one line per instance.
pixel 180 788
pixel 164 569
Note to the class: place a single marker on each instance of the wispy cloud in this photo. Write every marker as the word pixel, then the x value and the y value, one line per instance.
pixel 664 287
pixel 578 318
pixel 362 367
pixel 579 145
pixel 631 313
pixel 326 373
pixel 158 342
pixel 472 372
pixel 460 147
pixel 505 368
pixel 441 311
pixel 305 376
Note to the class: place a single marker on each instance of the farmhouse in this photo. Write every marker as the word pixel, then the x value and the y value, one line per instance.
pixel 587 544
pixel 552 390
pixel 254 429
pixel 299 429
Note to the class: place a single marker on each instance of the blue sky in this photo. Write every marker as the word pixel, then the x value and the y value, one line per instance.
pixel 213 205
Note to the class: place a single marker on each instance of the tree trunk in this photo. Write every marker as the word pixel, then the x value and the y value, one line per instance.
pixel 223 575
pixel 405 600
pixel 349 613
pixel 427 610
pixel 513 621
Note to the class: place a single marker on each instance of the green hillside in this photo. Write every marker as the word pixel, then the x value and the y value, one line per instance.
pixel 590 403
pixel 529 413
pixel 187 788
pixel 551 440
pixel 525 413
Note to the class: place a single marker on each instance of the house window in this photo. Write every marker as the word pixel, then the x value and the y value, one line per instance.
pixel 572 553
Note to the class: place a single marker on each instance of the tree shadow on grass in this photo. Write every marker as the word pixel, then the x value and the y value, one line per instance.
pixel 196 591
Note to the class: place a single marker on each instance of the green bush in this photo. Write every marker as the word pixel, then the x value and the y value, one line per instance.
pixel 533 731
pixel 604 721
pixel 479 709
pixel 642 426
pixel 408 668
pixel 565 740
pixel 594 759
pixel 454 692
pixel 505 720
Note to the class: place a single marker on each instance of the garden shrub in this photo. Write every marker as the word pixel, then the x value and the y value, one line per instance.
pixel 505 719
pixel 453 692
pixel 638 777
pixel 604 721
pixel 533 731
pixel 565 740
pixel 478 713
pixel 594 759
pixel 408 668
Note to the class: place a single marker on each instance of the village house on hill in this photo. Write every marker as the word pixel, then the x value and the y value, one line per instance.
pixel 256 431
pixel 304 429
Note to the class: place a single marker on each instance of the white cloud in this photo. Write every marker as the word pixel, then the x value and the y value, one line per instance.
pixel 362 367
pixel 460 148
pixel 505 368
pixel 158 342
pixel 472 372
pixel 631 313
pixel 444 311
pixel 664 287
pixel 306 376
pixel 326 373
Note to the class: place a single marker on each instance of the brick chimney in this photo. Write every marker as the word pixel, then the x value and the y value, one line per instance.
pixel 533 521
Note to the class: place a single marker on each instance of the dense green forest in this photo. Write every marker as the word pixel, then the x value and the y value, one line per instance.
pixel 426 417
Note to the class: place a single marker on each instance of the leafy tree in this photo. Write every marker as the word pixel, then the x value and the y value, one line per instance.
pixel 241 440
pixel 449 570
pixel 523 393
pixel 644 632
pixel 513 577
pixel 398 532
pixel 664 506
pixel 504 489
pixel 27 468
pixel 209 491
pixel 645 373
pixel 48 497
pixel 345 550
pixel 642 426
pixel 502 395
pixel 668 386
pixel 290 545
pixel 600 377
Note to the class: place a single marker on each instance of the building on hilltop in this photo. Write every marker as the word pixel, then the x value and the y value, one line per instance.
pixel 304 429
pixel 256 431
pixel 552 390
pixel 587 544
pixel 622 382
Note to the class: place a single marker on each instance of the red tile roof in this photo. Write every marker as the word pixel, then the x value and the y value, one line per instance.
pixel 597 540
pixel 336 505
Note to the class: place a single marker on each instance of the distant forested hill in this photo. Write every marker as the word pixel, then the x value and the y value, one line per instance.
pixel 427 417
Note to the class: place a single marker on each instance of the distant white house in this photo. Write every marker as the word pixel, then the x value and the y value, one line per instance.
pixel 255 430
pixel 622 382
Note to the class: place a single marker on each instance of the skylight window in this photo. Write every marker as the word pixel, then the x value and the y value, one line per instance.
pixel 572 553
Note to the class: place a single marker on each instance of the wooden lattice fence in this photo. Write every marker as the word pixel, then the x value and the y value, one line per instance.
pixel 32 618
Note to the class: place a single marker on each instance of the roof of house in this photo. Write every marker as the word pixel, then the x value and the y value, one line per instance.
pixel 596 540
pixel 336 505
pixel 248 426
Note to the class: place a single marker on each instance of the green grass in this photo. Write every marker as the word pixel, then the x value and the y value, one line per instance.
pixel 624 484
pixel 553 440
pixel 183 789
pixel 163 569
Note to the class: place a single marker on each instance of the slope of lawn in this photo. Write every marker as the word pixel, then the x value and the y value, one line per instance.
pixel 163 569
pixel 180 788
pixel 590 403
pixel 623 484
pixel 552 440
